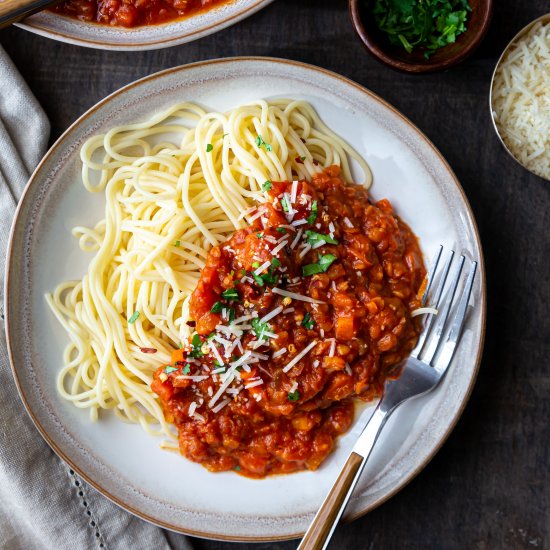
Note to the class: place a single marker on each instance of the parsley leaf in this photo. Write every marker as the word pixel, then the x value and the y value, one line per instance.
pixel 259 328
pixel 313 238
pixel 231 294
pixel 267 185
pixel 186 369
pixel 313 216
pixel 294 395
pixel 281 230
pixel 169 369
pixel 209 147
pixel 284 204
pixel 258 279
pixel 261 143
pixel 133 318
pixel 321 266
pixel 308 322
pixel 196 345
pixel 217 308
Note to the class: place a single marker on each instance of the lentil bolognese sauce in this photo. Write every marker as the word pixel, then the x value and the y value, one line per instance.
pixel 294 316
pixel 134 13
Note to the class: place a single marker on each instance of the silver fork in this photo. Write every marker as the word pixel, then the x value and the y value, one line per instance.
pixel 419 374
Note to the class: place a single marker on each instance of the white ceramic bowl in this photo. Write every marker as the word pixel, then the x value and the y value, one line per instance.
pixel 151 37
pixel 126 464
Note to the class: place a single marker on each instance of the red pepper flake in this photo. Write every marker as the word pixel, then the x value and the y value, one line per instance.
pixel 299 160
pixel 148 350
pixel 191 323
pixel 315 162
pixel 303 140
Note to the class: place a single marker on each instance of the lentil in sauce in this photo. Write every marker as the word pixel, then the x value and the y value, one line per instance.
pixel 267 381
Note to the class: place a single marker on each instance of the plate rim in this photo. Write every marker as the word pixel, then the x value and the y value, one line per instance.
pixel 36 27
pixel 10 259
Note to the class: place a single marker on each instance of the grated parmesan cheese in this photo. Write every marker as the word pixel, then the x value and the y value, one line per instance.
pixel 521 99
pixel 295 296
pixel 305 351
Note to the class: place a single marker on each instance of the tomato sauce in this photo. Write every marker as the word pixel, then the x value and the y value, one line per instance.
pixel 267 381
pixel 134 13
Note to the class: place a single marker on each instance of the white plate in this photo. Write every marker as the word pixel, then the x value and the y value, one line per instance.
pixel 122 461
pixel 148 37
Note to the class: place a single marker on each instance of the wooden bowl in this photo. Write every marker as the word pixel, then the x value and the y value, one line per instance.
pixel 397 57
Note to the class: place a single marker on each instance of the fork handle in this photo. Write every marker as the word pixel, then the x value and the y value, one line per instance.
pixel 328 515
pixel 14 10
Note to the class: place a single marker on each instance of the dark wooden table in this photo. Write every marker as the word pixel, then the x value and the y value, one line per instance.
pixel 489 486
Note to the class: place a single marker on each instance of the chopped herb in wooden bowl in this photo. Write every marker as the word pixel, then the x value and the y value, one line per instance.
pixel 424 24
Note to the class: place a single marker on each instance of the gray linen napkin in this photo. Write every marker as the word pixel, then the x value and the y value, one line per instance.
pixel 43 503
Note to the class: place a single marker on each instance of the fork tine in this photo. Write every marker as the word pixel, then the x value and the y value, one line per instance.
pixel 433 268
pixel 437 298
pixel 442 316
pixel 448 349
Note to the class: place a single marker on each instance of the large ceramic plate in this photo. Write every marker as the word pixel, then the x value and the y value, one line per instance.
pixel 105 37
pixel 122 461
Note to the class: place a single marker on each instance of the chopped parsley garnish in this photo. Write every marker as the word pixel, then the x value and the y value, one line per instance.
pixel 196 345
pixel 133 318
pixel 260 235
pixel 209 147
pixel 303 158
pixel 284 204
pixel 269 278
pixel 169 369
pixel 259 328
pixel 238 468
pixel 281 230
pixel 313 238
pixel 427 24
pixel 308 322
pixel 321 266
pixel 267 185
pixel 258 279
pixel 186 369
pixel 243 272
pixel 261 143
pixel 231 294
pixel 230 314
pixel 313 216
pixel 294 395
pixel 177 243
pixel 217 308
